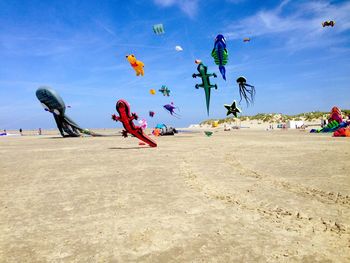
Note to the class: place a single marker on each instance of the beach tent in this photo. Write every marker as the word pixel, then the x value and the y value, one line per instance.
pixel 294 124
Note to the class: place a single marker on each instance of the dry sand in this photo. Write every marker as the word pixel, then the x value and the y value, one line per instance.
pixel 238 196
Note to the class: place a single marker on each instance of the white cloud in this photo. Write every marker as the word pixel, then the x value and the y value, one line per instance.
pixel 300 26
pixel 189 7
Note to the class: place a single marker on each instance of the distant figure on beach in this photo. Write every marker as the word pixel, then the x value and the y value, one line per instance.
pixel 20 131
pixel 39 131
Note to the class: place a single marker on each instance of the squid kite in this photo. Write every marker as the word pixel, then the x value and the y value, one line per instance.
pixel 246 91
pixel 52 102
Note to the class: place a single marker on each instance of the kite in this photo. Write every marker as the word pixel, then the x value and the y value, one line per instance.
pixel 143 124
pixel 247 39
pixel 342 132
pixel 220 54
pixel 126 118
pixel 160 126
pixel 156 132
pixel 205 76
pixel 136 64
pixel 245 90
pixel 208 133
pixel 330 127
pixel 164 89
pixel 171 108
pixel 151 113
pixel 335 122
pixel 158 29
pixel 336 115
pixel 328 23
pixel 152 91
pixel 232 109
pixel 168 131
pixel 52 102
pixel 164 130
pixel 178 48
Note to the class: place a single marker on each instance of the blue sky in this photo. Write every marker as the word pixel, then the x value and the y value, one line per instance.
pixel 78 48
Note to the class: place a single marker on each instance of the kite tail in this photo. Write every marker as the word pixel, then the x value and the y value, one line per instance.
pixel 222 71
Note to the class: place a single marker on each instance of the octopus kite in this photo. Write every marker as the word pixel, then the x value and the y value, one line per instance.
pixel 246 91
pixel 52 102
pixel 220 54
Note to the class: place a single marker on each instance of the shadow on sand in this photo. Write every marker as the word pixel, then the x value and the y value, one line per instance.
pixel 60 137
pixel 134 147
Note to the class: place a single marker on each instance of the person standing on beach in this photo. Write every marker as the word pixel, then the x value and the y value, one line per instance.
pixel 39 131
pixel 20 131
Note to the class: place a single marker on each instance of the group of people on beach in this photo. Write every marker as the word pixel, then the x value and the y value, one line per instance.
pixel 21 132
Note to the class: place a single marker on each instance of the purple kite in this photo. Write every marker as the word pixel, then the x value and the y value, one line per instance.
pixel 171 108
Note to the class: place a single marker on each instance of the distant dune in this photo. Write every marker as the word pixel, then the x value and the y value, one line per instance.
pixel 265 119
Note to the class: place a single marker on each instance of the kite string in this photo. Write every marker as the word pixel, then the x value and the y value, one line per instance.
pixel 188 41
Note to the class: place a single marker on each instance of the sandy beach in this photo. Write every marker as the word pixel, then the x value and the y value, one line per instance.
pixel 238 196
